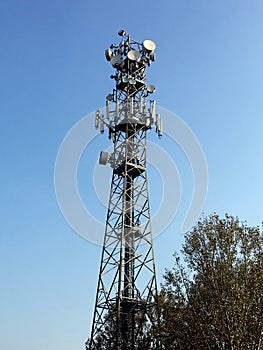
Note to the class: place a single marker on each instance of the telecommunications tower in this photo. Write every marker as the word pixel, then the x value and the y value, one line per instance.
pixel 126 313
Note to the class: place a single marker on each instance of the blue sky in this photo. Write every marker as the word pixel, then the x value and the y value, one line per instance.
pixel 53 72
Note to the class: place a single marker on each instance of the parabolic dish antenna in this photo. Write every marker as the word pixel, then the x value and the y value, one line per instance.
pixel 125 80
pixel 116 61
pixel 104 158
pixel 148 46
pixel 150 88
pixel 134 55
pixel 132 81
pixel 108 54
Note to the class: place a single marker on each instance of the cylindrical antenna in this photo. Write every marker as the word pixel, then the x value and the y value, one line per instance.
pixel 153 111
pixel 108 109
pixel 160 132
pixel 97 119
pixel 102 124
pixel 157 122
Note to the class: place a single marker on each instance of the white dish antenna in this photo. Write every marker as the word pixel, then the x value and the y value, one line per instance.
pixel 104 158
pixel 134 55
pixel 148 46
pixel 108 54
pixel 150 89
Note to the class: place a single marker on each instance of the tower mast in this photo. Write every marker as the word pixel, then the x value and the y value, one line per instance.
pixel 125 314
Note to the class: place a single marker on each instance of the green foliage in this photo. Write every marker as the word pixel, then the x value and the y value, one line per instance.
pixel 213 299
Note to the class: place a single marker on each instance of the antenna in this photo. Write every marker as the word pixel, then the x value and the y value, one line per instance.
pixel 108 109
pixel 158 124
pixel 126 298
pixel 102 124
pixel 97 119
pixel 153 104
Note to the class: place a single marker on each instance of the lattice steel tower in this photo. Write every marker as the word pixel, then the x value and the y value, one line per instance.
pixel 125 314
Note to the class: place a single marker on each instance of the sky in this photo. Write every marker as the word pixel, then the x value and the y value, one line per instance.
pixel 53 72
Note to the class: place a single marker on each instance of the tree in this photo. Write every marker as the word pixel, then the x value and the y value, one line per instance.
pixel 213 298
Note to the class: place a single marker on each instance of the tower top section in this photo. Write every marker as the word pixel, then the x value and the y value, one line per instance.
pixel 126 105
pixel 130 59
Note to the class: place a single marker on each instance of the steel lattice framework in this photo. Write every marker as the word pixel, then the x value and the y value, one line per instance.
pixel 126 314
